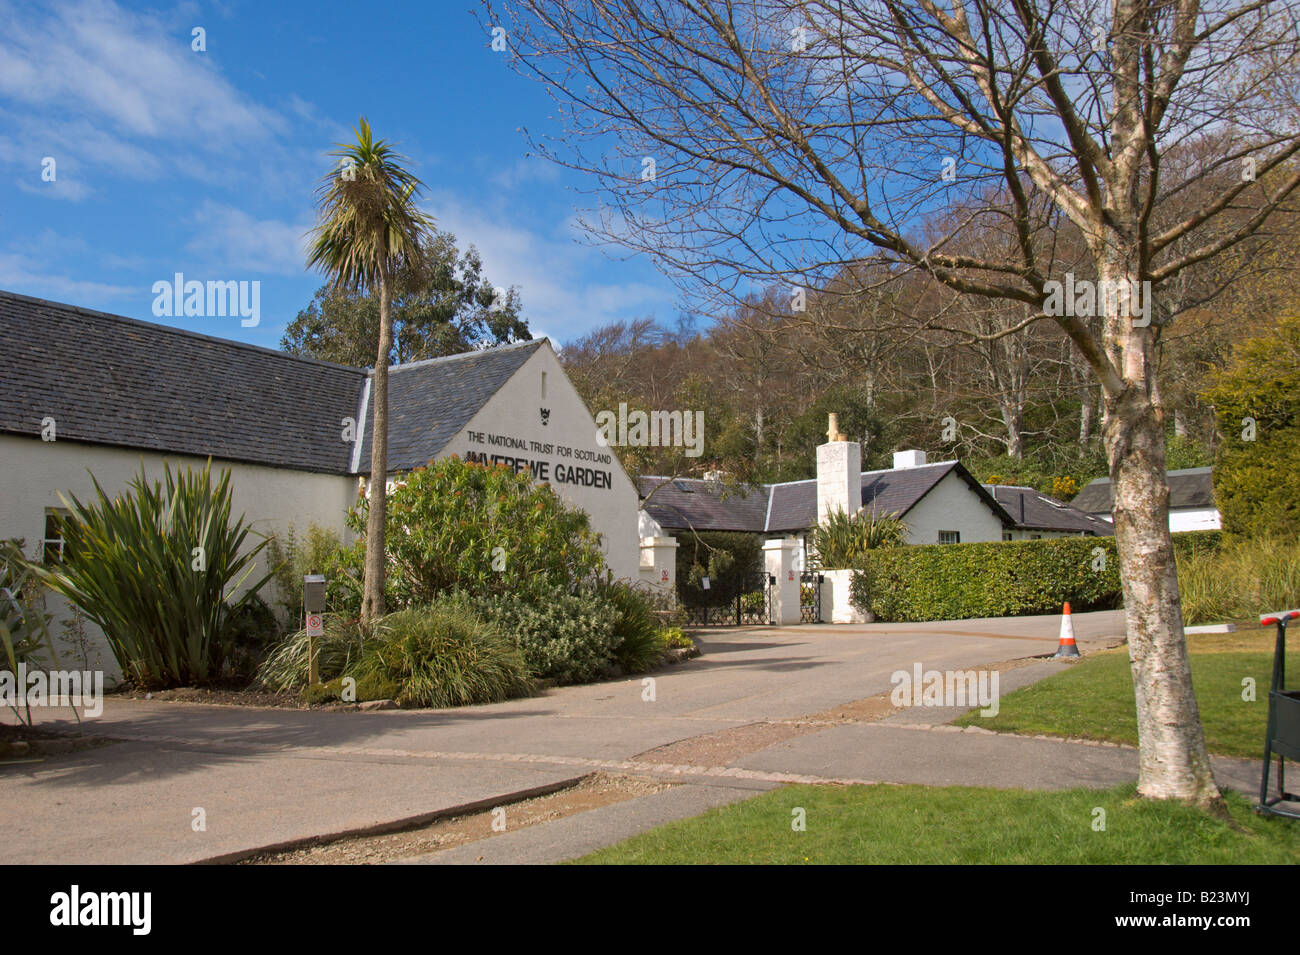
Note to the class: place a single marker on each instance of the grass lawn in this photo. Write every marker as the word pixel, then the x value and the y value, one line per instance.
pixel 1094 698
pixel 957 824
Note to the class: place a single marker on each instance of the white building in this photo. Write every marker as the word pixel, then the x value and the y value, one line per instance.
pixel 940 503
pixel 1191 500
pixel 87 393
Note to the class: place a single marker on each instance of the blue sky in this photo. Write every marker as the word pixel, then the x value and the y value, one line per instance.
pixel 170 160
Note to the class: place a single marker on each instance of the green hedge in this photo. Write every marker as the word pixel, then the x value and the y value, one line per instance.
pixel 997 579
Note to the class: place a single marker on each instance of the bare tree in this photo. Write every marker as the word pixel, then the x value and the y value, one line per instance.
pixel 780 140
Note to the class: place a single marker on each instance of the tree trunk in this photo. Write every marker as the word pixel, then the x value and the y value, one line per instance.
pixel 372 599
pixel 1173 762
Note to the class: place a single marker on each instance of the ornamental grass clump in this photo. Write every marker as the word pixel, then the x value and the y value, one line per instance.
pixel 443 655
pixel 158 568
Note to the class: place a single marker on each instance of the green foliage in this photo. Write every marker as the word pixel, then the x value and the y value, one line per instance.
pixel 639 641
pixel 842 539
pixel 443 655
pixel 24 626
pixel 286 666
pixel 442 305
pixel 565 637
pixel 1257 482
pixel 319 551
pixel 253 628
pixel 675 638
pixel 1240 580
pixel 157 568
pixel 728 559
pixel 998 579
pixel 452 524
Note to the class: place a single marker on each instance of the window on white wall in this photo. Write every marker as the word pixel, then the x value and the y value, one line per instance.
pixel 950 537
pixel 52 542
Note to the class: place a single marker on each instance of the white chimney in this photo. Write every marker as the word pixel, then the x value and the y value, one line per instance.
pixel 908 459
pixel 839 474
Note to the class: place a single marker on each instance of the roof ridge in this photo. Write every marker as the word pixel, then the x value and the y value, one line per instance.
pixel 423 362
pixel 172 329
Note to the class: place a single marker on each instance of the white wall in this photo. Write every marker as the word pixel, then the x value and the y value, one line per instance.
pixel 951 505
pixel 1195 519
pixel 33 472
pixel 515 411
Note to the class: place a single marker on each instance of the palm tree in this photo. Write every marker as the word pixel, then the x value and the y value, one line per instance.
pixel 367 226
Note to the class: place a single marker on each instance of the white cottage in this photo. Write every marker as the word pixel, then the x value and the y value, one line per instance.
pixel 85 392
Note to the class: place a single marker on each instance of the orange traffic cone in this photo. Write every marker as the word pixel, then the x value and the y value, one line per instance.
pixel 1066 647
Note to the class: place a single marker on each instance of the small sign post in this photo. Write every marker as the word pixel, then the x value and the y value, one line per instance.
pixel 313 603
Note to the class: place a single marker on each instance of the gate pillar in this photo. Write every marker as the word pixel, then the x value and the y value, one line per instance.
pixel 780 559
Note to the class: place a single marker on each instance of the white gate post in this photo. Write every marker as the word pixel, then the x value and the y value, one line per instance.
pixel 780 559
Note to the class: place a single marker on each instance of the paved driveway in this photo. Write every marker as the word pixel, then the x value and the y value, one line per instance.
pixel 264 777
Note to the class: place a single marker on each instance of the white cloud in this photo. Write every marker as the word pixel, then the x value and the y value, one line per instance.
pixel 554 273
pixel 93 82
pixel 231 238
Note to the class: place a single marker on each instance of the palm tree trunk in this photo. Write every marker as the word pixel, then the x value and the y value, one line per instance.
pixel 372 599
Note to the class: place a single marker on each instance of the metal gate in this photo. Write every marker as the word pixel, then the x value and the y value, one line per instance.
pixel 810 596
pixel 751 606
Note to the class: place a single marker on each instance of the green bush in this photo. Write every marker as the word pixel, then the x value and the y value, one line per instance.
pixel 675 638
pixel 286 666
pixel 442 655
pixel 841 539
pixel 729 560
pixel 568 638
pixel 372 686
pixel 156 568
pixel 253 629
pixel 639 642
pixel 1257 404
pixel 24 625
pixel 998 579
pixel 319 551
pixel 461 525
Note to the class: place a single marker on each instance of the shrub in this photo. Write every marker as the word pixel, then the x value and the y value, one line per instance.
pixel 842 539
pixel 319 551
pixel 639 642
pixel 1257 403
pixel 995 579
pixel 730 561
pixel 155 568
pixel 568 638
pixel 253 628
pixel 998 579
pixel 675 638
pixel 24 626
pixel 459 525
pixel 442 655
pixel 286 666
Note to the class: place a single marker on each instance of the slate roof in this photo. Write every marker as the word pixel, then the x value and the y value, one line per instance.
pixel 1188 487
pixel 691 503
pixel 1033 510
pixel 111 380
pixel 792 506
pixel 431 401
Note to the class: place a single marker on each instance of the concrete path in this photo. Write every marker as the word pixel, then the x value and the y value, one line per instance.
pixel 268 777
